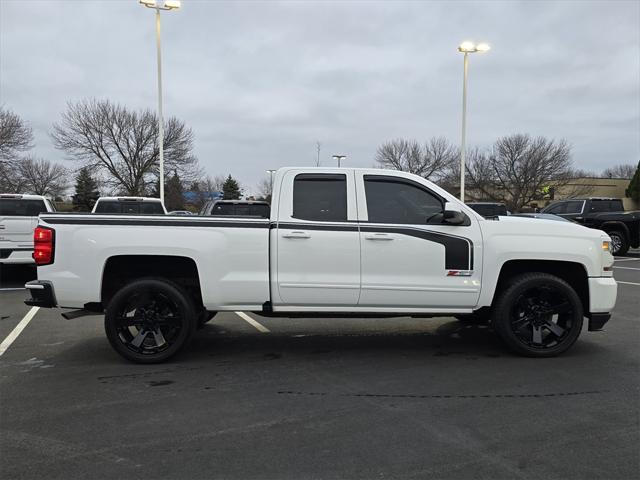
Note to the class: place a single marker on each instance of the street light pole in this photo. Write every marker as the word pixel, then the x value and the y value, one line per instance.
pixel 339 158
pixel 166 5
pixel 464 126
pixel 160 116
pixel 466 48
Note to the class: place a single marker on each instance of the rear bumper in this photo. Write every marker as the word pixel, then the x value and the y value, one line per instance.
pixel 16 255
pixel 42 294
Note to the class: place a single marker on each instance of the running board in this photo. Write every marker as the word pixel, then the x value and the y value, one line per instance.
pixel 76 314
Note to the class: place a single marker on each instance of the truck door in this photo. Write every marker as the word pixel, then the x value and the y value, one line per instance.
pixel 317 246
pixel 409 257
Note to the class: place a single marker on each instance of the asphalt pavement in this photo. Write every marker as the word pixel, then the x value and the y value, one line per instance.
pixel 318 398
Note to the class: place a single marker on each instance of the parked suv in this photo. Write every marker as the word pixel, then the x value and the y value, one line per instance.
pixel 129 206
pixel 236 208
pixel 18 218
pixel 604 214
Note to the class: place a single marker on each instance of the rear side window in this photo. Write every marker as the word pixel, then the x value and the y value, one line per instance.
pixel 398 201
pixel 151 208
pixel 130 208
pixel 604 206
pixel 321 197
pixel 21 208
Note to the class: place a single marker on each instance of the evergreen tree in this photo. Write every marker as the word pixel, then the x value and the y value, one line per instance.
pixel 231 189
pixel 86 191
pixel 633 190
pixel 174 193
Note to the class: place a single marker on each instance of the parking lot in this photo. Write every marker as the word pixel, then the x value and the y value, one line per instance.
pixel 318 398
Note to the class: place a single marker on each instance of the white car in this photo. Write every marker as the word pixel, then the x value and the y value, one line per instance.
pixel 18 218
pixel 356 242
pixel 130 206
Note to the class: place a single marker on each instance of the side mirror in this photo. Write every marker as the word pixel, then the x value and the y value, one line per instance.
pixel 453 214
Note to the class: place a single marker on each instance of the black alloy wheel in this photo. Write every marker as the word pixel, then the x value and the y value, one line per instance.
pixel 149 320
pixel 539 315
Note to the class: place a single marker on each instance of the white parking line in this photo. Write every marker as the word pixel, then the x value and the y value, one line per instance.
pixel 625 259
pixel 258 326
pixel 628 283
pixel 10 289
pixel 6 343
pixel 627 268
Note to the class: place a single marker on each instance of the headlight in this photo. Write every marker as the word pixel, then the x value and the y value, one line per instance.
pixel 606 246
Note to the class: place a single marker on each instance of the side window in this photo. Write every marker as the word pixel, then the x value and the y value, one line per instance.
pixel 574 207
pixel 398 201
pixel 321 197
pixel 599 205
pixel 557 208
pixel 151 208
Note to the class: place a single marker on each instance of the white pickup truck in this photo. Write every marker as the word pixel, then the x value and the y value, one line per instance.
pixel 18 218
pixel 340 242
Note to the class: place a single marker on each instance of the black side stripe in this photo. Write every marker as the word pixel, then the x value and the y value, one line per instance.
pixel 156 223
pixel 458 250
pixel 315 226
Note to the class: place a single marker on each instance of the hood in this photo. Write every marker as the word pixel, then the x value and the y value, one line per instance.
pixel 540 227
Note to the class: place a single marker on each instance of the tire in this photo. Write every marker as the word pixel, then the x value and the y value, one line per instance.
pixel 149 320
pixel 538 315
pixel 619 242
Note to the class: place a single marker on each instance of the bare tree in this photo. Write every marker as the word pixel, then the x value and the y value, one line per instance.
pixel 264 189
pixel 519 169
pixel 43 177
pixel 15 135
pixel 431 160
pixel 620 171
pixel 123 144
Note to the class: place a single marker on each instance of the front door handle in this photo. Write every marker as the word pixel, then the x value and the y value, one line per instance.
pixel 296 234
pixel 378 236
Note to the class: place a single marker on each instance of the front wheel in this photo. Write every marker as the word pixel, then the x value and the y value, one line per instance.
pixel 538 315
pixel 149 320
pixel 619 243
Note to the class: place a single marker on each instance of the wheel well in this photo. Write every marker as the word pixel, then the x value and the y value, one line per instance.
pixel 571 272
pixel 616 227
pixel 122 269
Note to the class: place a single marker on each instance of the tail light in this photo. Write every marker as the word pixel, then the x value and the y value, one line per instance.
pixel 43 245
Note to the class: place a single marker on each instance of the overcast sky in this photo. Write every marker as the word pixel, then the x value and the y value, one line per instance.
pixel 260 82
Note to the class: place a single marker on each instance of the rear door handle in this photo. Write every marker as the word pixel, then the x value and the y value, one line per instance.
pixel 378 236
pixel 296 234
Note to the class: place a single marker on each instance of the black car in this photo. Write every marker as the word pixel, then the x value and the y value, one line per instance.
pixel 604 214
pixel 489 209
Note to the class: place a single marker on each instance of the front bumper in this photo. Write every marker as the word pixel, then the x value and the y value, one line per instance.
pixel 597 321
pixel 42 294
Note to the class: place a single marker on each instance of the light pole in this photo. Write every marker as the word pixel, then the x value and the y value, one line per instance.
pixel 271 172
pixel 157 6
pixel 339 158
pixel 466 48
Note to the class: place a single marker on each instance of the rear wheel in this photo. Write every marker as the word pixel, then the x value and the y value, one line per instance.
pixel 538 315
pixel 619 243
pixel 149 320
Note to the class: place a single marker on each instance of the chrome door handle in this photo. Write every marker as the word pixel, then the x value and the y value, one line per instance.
pixel 378 236
pixel 296 234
